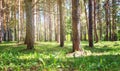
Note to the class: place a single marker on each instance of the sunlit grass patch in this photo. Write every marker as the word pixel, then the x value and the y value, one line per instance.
pixel 49 56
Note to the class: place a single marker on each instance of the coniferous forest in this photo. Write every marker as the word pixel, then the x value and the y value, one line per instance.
pixel 59 35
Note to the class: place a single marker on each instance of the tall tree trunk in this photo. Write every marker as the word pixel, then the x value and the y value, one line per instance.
pixel 19 21
pixel 90 32
pixel 107 20
pixel 15 28
pixel 87 22
pixel 50 22
pixel 1 20
pixel 95 21
pixel 35 19
pixel 114 34
pixel 86 14
pixel 61 24
pixel 58 23
pixel 76 25
pixel 22 22
pixel 7 21
pixel 45 25
pixel 29 24
pixel 4 22
pixel 5 26
pixel 99 19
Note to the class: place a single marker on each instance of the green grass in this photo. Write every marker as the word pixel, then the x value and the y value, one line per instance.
pixel 48 56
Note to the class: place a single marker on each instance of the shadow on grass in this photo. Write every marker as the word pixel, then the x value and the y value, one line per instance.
pixel 43 58
pixel 43 48
pixel 99 49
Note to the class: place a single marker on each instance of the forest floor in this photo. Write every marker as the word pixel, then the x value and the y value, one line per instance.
pixel 48 56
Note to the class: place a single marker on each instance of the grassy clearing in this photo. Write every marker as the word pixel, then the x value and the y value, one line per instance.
pixel 48 56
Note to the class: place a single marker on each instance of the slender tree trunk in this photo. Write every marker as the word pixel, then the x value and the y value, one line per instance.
pixel 90 32
pixel 15 29
pixel 55 27
pixel 35 19
pixel 50 22
pixel 45 27
pixel 76 25
pixel 5 26
pixel 61 24
pixel 95 21
pixel 19 21
pixel 39 27
pixel 99 20
pixel 4 23
pixel 86 14
pixel 29 24
pixel 107 20
pixel 22 22
pixel 58 23
pixel 1 20
pixel 7 20
pixel 114 35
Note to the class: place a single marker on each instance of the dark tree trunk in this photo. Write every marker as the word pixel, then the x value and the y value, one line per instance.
pixel 107 20
pixel 61 24
pixel 90 32
pixel 95 21
pixel 114 34
pixel 76 25
pixel 29 24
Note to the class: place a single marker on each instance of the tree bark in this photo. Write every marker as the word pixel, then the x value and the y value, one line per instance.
pixel 86 14
pixel 95 22
pixel 1 20
pixel 19 21
pixel 58 23
pixel 15 29
pixel 107 20
pixel 114 34
pixel 50 22
pixel 76 25
pixel 90 32
pixel 61 24
pixel 35 19
pixel 29 24
pixel 99 20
